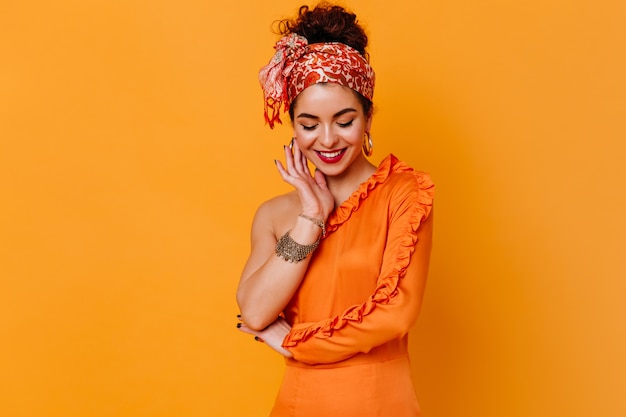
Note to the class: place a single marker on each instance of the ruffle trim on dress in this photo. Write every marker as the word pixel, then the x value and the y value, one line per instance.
pixel 342 213
pixel 387 287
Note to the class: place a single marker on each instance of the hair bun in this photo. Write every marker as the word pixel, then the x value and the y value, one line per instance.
pixel 326 23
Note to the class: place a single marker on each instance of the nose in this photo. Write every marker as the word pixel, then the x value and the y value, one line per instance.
pixel 327 137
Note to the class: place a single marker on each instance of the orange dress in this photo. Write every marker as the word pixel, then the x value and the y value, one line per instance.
pixel 360 295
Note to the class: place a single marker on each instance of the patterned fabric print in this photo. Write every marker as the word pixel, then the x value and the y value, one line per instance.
pixel 273 77
pixel 297 65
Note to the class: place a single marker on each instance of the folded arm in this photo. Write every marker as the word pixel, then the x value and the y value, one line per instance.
pixel 388 313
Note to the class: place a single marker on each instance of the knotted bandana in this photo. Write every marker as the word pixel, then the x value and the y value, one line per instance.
pixel 297 65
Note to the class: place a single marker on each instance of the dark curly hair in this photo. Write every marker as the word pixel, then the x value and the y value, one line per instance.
pixel 328 23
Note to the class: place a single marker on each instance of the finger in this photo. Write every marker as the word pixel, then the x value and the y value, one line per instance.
pixel 286 176
pixel 289 163
pixel 320 179
pixel 302 164
pixel 245 329
pixel 249 331
pixel 297 156
pixel 281 169
pixel 305 164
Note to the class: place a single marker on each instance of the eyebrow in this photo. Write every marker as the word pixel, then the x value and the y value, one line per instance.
pixel 339 113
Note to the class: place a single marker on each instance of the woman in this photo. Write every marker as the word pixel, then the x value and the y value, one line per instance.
pixel 337 268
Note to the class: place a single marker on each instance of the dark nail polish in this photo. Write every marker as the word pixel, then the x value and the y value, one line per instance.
pixel 256 338
pixel 238 325
pixel 238 316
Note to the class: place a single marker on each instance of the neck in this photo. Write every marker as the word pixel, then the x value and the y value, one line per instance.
pixel 342 186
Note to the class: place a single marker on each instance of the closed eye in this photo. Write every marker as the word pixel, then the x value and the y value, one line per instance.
pixel 347 124
pixel 305 127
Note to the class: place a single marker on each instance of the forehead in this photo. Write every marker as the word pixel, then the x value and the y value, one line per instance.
pixel 326 98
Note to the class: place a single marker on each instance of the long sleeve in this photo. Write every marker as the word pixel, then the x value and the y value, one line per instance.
pixel 394 305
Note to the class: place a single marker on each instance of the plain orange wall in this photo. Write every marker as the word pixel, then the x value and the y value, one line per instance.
pixel 133 154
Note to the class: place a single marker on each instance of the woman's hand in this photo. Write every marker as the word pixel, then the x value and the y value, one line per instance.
pixel 273 335
pixel 315 197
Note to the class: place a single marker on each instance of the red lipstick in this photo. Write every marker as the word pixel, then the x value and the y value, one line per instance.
pixel 331 157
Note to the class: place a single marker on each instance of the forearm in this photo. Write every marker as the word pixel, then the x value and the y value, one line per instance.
pixel 264 292
pixel 387 314
pixel 387 322
pixel 264 295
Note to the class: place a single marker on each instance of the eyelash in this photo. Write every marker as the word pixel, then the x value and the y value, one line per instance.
pixel 348 124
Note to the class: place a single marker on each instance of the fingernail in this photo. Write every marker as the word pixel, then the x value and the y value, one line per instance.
pixel 256 338
pixel 238 316
pixel 238 325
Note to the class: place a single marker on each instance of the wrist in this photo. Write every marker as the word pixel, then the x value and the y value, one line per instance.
pixel 292 251
pixel 305 232
pixel 321 223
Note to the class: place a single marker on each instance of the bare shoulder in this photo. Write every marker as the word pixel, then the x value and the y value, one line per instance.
pixel 278 213
pixel 272 219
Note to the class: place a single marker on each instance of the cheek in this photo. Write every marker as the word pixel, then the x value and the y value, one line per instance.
pixel 305 138
pixel 355 136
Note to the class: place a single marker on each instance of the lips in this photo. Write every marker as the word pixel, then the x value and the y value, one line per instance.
pixel 331 157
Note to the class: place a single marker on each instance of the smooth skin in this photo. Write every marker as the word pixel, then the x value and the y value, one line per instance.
pixel 328 120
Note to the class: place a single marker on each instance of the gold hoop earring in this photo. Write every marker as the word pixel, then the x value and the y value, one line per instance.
pixel 368 144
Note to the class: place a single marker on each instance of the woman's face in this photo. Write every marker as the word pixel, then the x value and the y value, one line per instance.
pixel 329 125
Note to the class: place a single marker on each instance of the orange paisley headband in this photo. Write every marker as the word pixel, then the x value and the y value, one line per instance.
pixel 297 65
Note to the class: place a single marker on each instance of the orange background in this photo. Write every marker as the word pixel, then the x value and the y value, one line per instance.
pixel 133 154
